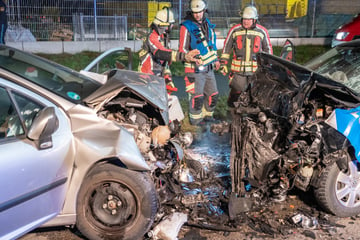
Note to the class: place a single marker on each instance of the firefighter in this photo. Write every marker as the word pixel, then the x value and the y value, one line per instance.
pixel 155 54
pixel 244 41
pixel 197 32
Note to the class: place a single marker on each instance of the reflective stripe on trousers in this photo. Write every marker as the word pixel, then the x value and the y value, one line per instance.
pixel 205 96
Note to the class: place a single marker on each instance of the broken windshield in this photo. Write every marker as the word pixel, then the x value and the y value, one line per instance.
pixel 341 65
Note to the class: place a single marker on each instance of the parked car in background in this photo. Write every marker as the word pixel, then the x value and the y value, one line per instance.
pixel 347 32
pixel 298 126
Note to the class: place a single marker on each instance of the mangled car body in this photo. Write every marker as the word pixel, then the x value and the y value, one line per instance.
pixel 298 126
pixel 88 148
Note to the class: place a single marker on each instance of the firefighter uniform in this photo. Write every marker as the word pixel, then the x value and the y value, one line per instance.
pixel 244 44
pixel 155 54
pixel 199 78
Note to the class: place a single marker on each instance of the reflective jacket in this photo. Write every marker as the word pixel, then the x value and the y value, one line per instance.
pixel 154 55
pixel 245 44
pixel 193 37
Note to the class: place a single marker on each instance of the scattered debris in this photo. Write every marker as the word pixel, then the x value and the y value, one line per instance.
pixel 63 34
pixel 169 228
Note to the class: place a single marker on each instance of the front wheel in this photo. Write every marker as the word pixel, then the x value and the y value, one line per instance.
pixel 115 203
pixel 339 190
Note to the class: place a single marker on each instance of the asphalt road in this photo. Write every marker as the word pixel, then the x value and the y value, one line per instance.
pixel 348 229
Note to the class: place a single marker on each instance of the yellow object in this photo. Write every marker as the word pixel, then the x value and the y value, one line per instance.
pixel 291 8
pixel 266 7
pixel 296 8
pixel 154 7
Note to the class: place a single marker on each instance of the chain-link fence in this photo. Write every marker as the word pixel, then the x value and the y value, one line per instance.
pixel 78 20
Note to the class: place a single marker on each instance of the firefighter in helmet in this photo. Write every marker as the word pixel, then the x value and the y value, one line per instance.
pixel 197 32
pixel 244 40
pixel 156 55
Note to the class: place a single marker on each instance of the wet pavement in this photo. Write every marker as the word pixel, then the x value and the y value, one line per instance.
pixel 296 218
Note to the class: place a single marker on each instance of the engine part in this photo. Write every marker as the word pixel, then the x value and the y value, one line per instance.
pixel 160 135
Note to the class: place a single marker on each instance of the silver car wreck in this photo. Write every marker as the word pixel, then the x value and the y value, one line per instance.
pixel 80 151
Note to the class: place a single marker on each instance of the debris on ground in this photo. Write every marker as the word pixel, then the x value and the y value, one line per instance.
pixel 201 189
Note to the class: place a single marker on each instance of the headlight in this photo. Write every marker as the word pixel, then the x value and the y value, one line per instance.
pixel 341 35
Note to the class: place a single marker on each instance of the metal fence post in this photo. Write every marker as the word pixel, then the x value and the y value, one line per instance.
pixel 313 20
pixel 82 30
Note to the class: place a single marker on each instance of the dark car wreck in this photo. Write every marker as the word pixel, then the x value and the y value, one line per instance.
pixel 298 127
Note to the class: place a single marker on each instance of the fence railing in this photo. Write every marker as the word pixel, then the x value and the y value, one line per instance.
pixel 81 20
pixel 107 27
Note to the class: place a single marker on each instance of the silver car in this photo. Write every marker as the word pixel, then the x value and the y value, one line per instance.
pixel 63 162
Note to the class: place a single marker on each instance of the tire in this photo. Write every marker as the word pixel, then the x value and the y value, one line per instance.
pixel 339 190
pixel 115 203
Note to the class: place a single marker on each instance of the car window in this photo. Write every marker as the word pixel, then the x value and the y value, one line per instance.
pixel 10 124
pixel 120 59
pixel 56 78
pixel 14 122
pixel 28 109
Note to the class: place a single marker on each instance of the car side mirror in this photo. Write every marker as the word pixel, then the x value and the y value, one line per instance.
pixel 44 125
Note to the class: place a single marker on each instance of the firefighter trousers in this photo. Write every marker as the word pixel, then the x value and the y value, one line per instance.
pixel 203 101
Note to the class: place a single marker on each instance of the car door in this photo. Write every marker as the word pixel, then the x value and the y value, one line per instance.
pixel 33 176
pixel 119 58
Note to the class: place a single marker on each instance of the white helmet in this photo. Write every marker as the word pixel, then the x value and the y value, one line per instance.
pixel 164 17
pixel 250 12
pixel 197 6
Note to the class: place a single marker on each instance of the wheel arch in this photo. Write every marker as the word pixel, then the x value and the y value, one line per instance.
pixel 68 213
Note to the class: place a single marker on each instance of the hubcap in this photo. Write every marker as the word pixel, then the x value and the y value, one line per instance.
pixel 348 186
pixel 113 204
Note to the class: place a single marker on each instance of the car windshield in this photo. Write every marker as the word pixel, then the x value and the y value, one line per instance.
pixel 54 77
pixel 342 64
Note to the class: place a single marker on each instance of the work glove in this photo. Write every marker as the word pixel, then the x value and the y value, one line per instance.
pixel 224 69
pixel 191 56
pixel 170 86
pixel 189 85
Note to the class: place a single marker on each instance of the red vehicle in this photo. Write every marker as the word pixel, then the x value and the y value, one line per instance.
pixel 347 32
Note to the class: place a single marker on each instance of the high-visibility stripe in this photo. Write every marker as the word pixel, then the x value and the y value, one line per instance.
pixel 225 56
pixel 248 50
pixel 196 116
pixel 206 113
pixel 189 87
pixel 248 32
pixel 243 63
pixel 243 66
pixel 142 52
pixel 206 59
pixel 173 56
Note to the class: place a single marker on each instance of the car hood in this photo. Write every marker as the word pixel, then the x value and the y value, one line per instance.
pixel 282 87
pixel 146 86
